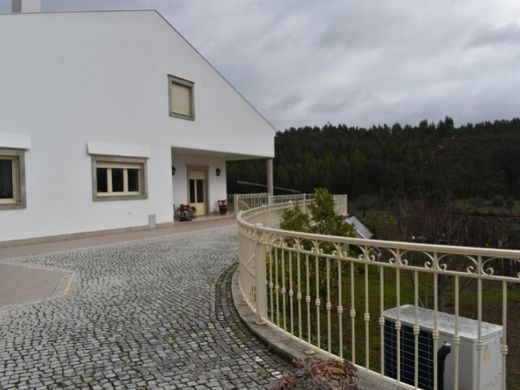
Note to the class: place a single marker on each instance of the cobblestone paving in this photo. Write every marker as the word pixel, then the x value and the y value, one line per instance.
pixel 147 315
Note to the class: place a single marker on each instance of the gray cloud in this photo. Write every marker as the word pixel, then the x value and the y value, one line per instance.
pixel 359 62
pixel 509 34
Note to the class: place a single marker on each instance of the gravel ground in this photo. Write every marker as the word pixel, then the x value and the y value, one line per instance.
pixel 153 314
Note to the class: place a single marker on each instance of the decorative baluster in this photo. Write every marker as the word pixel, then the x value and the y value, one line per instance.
pixel 299 294
pixel 291 293
pixel 352 313
pixel 366 319
pixel 277 288
pixel 308 297
pixel 328 306
pixel 271 285
pixel 480 343
pixel 435 333
pixel 398 317
pixel 252 285
pixel 318 302
pixel 340 312
pixel 416 328
pixel 284 291
pixel 456 337
pixel 381 315
pixel 504 347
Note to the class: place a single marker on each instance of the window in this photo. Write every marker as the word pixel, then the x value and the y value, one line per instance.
pixel 181 98
pixel 117 178
pixel 12 179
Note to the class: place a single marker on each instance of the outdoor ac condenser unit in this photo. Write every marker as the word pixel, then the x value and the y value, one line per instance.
pixel 491 361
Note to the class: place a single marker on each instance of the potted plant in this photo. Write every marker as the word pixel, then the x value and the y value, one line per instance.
pixel 185 212
pixel 222 207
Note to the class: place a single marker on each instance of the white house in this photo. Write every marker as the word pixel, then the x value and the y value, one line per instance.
pixel 108 120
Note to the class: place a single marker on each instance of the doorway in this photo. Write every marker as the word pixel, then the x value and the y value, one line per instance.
pixel 197 190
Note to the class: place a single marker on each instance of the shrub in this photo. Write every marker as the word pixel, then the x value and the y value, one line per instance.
pixel 325 218
pixel 294 219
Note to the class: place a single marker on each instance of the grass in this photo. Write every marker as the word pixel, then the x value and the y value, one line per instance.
pixel 489 207
pixel 492 306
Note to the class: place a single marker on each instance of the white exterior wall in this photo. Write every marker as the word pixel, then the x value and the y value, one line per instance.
pixel 217 184
pixel 71 78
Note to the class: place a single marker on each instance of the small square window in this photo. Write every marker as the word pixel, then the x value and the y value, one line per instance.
pixel 181 98
pixel 118 178
pixel 12 180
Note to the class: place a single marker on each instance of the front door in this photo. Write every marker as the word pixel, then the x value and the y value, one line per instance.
pixel 197 190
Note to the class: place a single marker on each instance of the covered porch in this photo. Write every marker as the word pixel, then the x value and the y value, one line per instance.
pixel 199 178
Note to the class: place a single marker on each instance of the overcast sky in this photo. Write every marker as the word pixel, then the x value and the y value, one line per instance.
pixel 358 62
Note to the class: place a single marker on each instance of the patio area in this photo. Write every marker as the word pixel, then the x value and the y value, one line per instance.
pixel 146 309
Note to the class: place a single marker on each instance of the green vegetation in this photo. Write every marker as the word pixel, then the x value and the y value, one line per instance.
pixel 426 160
pixel 433 183
pixel 322 218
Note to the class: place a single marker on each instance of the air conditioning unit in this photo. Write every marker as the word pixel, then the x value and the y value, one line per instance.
pixel 491 361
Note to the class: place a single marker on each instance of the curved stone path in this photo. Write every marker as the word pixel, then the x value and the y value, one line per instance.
pixel 152 314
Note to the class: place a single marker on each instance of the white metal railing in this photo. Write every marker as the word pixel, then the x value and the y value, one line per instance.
pixel 244 202
pixel 331 293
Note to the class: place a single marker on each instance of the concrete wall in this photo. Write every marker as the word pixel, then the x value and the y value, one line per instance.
pixel 71 78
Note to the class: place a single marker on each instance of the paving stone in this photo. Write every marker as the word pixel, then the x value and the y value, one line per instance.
pixel 147 314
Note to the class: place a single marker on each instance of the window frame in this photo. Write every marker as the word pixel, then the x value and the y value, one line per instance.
pixel 125 163
pixel 18 201
pixel 174 80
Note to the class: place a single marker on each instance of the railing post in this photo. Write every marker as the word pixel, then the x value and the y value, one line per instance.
pixel 260 276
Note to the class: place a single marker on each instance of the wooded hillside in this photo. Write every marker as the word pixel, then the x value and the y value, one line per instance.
pixel 429 160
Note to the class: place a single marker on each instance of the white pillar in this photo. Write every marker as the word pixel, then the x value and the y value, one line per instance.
pixel 270 185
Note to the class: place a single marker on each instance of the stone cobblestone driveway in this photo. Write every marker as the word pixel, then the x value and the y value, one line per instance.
pixel 152 314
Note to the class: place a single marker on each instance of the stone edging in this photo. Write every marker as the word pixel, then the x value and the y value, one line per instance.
pixel 289 348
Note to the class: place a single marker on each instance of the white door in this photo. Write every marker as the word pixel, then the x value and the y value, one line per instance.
pixel 197 190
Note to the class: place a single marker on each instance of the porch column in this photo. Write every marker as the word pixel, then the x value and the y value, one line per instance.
pixel 270 188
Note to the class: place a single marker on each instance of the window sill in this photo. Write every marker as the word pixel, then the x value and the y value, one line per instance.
pixel 103 198
pixel 13 206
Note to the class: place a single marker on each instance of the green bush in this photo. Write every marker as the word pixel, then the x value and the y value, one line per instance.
pixel 324 217
pixel 294 219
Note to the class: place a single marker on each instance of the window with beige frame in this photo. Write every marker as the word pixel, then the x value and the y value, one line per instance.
pixel 12 179
pixel 118 178
pixel 181 98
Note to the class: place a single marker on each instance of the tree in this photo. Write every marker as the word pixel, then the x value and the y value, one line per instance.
pixel 325 218
pixel 295 220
